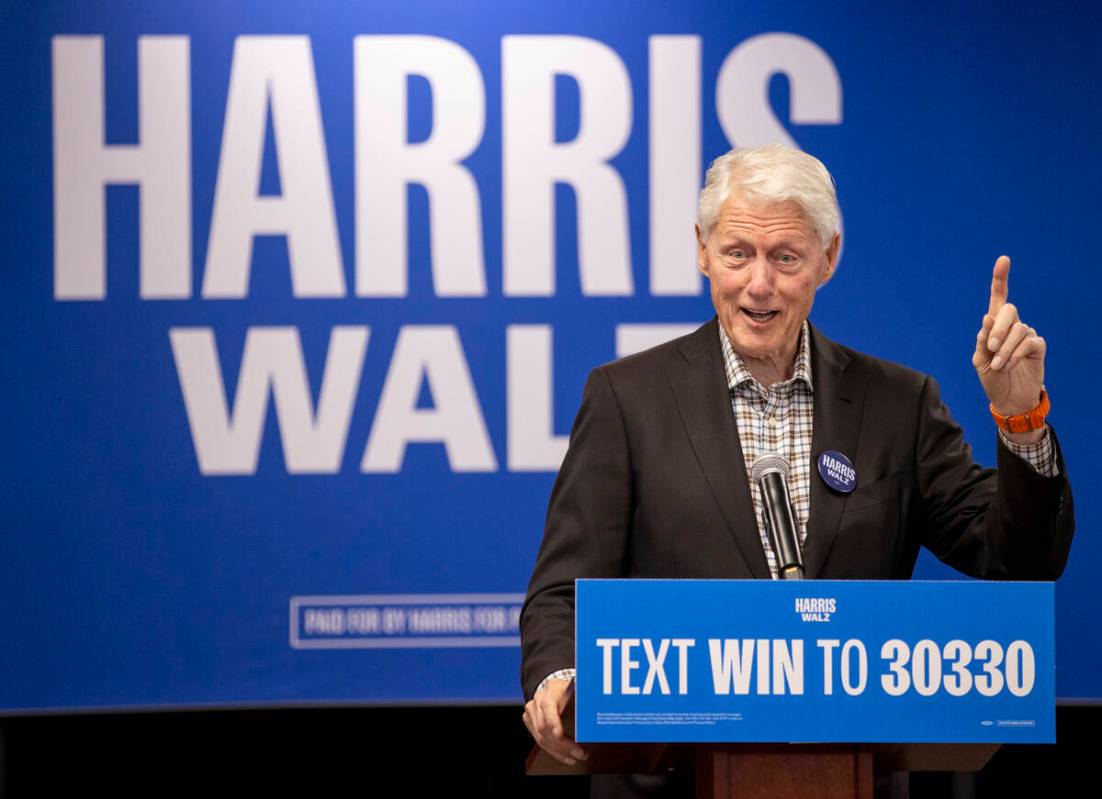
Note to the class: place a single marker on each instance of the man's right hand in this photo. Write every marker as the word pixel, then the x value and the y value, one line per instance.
pixel 543 718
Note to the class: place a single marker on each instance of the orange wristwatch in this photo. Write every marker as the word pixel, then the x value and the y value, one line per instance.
pixel 1024 422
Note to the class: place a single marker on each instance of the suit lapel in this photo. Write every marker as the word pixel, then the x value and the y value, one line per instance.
pixel 703 400
pixel 839 401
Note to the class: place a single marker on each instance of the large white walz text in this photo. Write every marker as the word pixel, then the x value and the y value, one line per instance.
pixel 227 433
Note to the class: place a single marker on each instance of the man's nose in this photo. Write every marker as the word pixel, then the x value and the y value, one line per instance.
pixel 761 278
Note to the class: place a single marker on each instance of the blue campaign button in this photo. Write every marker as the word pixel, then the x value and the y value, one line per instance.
pixel 837 471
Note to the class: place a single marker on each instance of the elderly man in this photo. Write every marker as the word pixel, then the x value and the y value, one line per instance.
pixel 655 480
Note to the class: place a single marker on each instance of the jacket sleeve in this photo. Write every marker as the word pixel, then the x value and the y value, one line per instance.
pixel 586 532
pixel 1009 524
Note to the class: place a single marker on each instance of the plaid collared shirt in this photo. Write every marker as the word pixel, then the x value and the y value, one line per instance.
pixel 775 420
pixel 778 419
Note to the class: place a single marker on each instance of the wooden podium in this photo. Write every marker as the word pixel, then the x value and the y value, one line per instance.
pixel 769 771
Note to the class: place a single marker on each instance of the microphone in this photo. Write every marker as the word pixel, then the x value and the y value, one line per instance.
pixel 770 474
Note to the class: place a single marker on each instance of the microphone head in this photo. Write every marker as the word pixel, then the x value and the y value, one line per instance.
pixel 769 464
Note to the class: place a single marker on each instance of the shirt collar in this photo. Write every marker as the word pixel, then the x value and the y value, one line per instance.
pixel 738 374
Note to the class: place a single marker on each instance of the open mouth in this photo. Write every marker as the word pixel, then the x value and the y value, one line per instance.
pixel 759 316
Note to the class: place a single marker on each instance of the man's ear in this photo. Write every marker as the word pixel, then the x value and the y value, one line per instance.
pixel 832 258
pixel 701 253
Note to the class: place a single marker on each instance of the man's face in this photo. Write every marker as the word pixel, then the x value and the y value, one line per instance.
pixel 765 263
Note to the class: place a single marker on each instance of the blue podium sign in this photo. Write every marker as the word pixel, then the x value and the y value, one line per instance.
pixel 815 661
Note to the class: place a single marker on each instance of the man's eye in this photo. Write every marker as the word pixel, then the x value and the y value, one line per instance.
pixel 786 258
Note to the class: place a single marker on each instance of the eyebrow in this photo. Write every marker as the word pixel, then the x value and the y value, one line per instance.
pixel 785 242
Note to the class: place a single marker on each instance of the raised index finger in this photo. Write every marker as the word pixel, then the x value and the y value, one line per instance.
pixel 999 285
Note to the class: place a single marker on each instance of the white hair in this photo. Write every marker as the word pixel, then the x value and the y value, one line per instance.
pixel 773 173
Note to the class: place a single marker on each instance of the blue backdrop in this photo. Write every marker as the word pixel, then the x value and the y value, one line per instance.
pixel 300 298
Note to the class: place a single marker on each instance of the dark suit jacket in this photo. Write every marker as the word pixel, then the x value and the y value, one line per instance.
pixel 654 485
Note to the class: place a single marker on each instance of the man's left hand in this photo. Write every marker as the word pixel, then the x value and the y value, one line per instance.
pixel 1010 356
